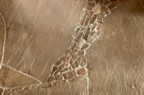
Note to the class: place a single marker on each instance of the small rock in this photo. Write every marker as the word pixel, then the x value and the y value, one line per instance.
pixel 75 65
pixel 50 79
pixel 85 46
pixel 82 71
pixel 83 61
pixel 59 77
pixel 57 63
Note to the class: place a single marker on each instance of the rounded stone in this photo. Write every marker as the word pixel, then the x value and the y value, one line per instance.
pixel 82 71
pixel 91 39
pixel 81 52
pixel 57 63
pixel 75 65
pixel 83 61
pixel 54 69
pixel 59 77
pixel 68 51
pixel 63 58
pixel 68 75
pixel 50 79
pixel 85 46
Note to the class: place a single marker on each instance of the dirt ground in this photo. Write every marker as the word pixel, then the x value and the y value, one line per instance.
pixel 38 33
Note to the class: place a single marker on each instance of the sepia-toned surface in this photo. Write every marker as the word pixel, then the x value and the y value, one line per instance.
pixel 39 31
pixel 74 88
pixel 8 76
pixel 116 61
pixel 2 37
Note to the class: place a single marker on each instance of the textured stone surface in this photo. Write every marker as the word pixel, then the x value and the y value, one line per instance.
pixel 39 32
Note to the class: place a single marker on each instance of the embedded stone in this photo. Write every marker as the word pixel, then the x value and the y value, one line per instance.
pixel 91 39
pixel 59 77
pixel 50 79
pixel 93 19
pixel 82 22
pixel 70 68
pixel 75 64
pixel 68 75
pixel 50 84
pixel 73 45
pixel 71 79
pixel 77 29
pixel 85 46
pixel 54 69
pixel 99 26
pixel 45 85
pixel 106 13
pixel 56 72
pixel 63 58
pixel 74 57
pixel 99 19
pixel 74 72
pixel 78 36
pixel 61 67
pixel 83 61
pixel 68 58
pixel 85 13
pixel 87 21
pixel 66 65
pixel 75 50
pixel 87 32
pixel 97 8
pixel 68 51
pixel 80 43
pixel 93 25
pixel 91 13
pixel 82 71
pixel 97 34
pixel 65 70
pixel 57 63
pixel 81 52
pixel 1 91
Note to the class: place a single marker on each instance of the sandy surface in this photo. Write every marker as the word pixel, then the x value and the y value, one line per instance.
pixel 39 31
